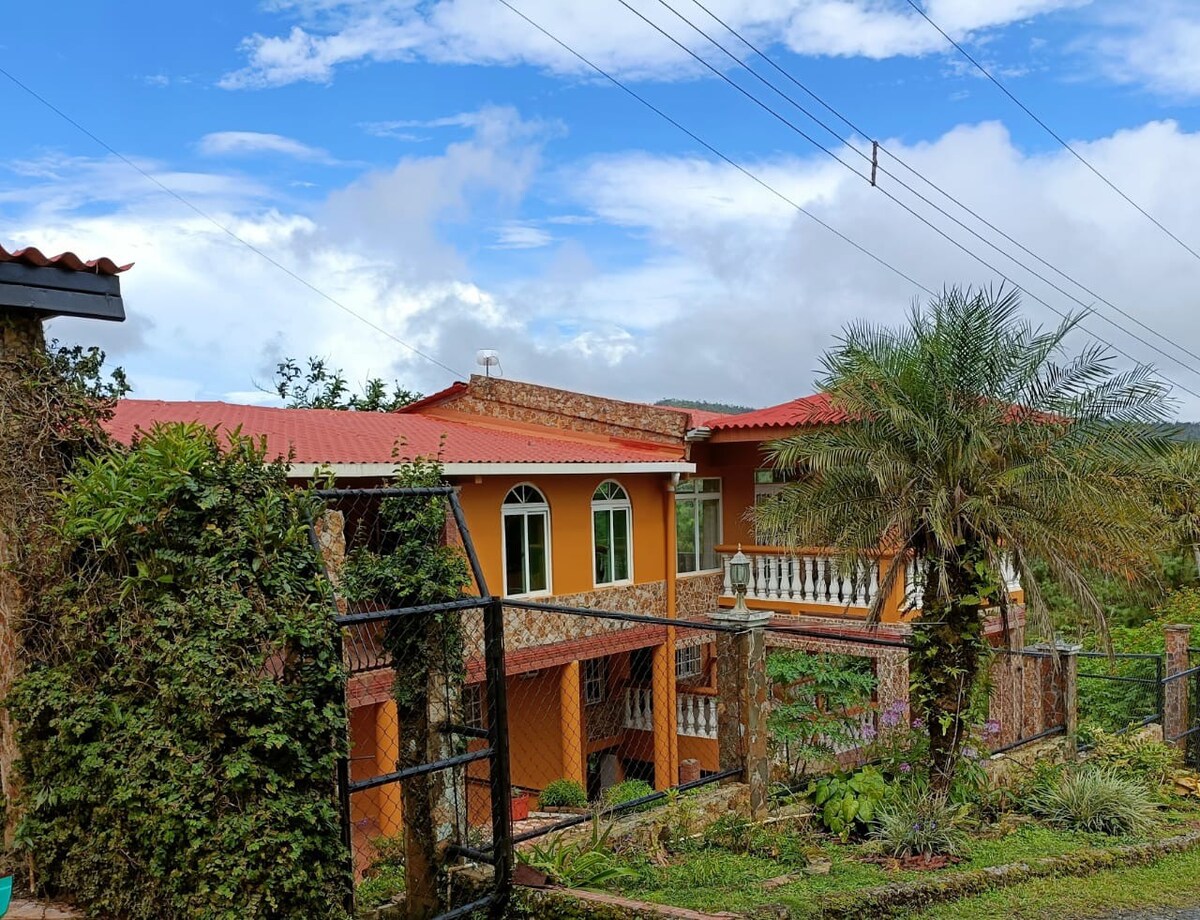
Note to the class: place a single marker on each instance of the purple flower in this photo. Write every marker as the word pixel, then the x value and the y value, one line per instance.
pixel 905 768
pixel 868 733
pixel 918 723
pixel 991 728
pixel 970 753
pixel 890 717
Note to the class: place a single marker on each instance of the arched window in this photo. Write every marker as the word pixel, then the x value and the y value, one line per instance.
pixel 612 534
pixel 526 519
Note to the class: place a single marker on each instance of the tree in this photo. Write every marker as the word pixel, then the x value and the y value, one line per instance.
pixel 974 442
pixel 322 387
pixel 1178 493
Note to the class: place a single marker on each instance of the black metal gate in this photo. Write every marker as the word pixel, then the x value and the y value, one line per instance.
pixel 468 731
pixel 1191 733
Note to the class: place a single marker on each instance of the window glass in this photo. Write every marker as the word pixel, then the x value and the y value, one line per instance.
pixel 602 522
pixel 685 534
pixel 710 533
pixel 688 661
pixel 595 680
pixel 535 525
pixel 620 536
pixel 611 535
pixel 514 553
pixel 526 523
pixel 698 526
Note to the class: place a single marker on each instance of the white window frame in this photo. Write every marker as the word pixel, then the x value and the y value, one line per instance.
pixel 524 509
pixel 610 505
pixel 689 662
pixel 472 705
pixel 594 674
pixel 696 498
pixel 778 482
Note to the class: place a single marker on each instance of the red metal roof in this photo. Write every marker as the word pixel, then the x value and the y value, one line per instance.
pixel 67 261
pixel 332 436
pixel 807 410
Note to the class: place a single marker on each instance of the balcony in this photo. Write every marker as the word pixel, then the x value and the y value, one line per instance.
pixel 695 713
pixel 811 581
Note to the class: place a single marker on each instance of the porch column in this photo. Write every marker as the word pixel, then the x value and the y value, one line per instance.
pixel 666 728
pixel 387 756
pixel 571 728
pixel 1175 689
pixel 742 701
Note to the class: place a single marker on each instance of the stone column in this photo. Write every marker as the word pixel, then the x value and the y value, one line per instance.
pixel 1175 691
pixel 570 714
pixel 1070 692
pixel 742 701
pixel 892 687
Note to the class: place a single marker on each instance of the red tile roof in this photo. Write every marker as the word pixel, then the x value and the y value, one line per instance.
pixel 67 261
pixel 807 410
pixel 331 436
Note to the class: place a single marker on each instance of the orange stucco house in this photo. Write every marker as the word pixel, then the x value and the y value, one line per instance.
pixel 588 502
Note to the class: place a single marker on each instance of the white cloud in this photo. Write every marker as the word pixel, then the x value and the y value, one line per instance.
pixel 719 291
pixel 1152 44
pixel 250 143
pixel 518 235
pixel 331 34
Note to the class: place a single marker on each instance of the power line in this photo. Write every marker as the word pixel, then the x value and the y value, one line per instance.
pixel 1045 127
pixel 222 227
pixel 846 121
pixel 888 194
pixel 714 151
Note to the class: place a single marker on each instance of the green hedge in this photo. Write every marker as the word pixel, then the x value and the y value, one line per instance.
pixel 180 735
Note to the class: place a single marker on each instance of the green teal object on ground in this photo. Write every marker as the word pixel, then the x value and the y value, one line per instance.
pixel 5 894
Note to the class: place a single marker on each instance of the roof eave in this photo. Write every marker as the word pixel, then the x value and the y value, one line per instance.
pixel 386 470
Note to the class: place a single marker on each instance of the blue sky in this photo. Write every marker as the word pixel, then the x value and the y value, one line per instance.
pixel 441 169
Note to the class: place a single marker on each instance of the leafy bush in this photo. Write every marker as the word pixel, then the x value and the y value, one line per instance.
pixel 848 800
pixel 627 791
pixel 738 834
pixel 916 822
pixel 1133 755
pixel 181 730
pixel 1095 799
pixel 821 696
pixel 583 863
pixel 563 793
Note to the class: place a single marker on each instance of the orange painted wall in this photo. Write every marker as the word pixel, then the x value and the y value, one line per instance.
pixel 534 729
pixel 701 749
pixel 570 500
pixel 735 465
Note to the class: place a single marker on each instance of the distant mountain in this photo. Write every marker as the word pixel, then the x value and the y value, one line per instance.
pixel 727 408
pixel 1189 431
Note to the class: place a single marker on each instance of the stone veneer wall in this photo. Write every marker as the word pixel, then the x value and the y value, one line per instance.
pixel 513 401
pixel 696 595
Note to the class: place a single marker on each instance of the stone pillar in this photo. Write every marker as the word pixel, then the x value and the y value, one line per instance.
pixel 1070 692
pixel 892 685
pixel 571 723
pixel 666 728
pixel 1175 691
pixel 387 755
pixel 742 690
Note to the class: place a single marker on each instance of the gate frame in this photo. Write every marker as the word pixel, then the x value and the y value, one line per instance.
pixel 500 853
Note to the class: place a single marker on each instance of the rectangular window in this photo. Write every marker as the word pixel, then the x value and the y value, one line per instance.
pixel 595 680
pixel 472 703
pixel 526 554
pixel 697 525
pixel 688 662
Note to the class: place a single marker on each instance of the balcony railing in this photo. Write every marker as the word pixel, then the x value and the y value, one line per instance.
pixel 695 713
pixel 804 578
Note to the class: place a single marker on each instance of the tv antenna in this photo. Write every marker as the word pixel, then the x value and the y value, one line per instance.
pixel 487 358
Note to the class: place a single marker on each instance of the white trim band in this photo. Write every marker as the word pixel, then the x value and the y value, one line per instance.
pixel 386 470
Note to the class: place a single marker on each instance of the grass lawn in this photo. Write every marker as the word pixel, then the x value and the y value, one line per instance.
pixel 717 879
pixel 1171 882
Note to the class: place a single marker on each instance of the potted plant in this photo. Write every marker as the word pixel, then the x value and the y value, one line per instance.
pixel 521 801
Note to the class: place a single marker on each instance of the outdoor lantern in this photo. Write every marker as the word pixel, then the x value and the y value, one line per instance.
pixel 739 577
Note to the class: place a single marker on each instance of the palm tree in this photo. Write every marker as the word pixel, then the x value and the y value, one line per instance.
pixel 975 443
pixel 1178 494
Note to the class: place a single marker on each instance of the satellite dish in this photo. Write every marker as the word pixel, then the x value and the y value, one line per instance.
pixel 487 358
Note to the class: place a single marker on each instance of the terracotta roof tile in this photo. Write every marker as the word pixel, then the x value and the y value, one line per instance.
pixel 807 410
pixel 332 436
pixel 67 261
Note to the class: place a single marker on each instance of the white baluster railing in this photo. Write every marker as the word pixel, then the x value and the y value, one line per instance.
pixel 696 715
pixel 808 579
pixel 639 708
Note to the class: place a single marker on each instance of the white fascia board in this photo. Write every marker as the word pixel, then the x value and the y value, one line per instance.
pixel 385 470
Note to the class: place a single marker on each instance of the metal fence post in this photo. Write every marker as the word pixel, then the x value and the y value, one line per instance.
pixel 501 779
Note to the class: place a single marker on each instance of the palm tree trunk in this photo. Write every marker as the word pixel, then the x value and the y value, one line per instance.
pixel 944 667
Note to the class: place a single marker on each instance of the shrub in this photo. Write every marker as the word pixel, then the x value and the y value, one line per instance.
pixel 738 834
pixel 1135 755
pixel 180 732
pixel 583 863
pixel 919 822
pixel 627 791
pixel 847 800
pixel 563 793
pixel 1096 799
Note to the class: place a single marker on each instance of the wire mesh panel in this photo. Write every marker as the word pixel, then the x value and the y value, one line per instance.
pixel 425 722
pixel 1117 692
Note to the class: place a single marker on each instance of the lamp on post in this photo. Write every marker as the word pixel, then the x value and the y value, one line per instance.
pixel 739 579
